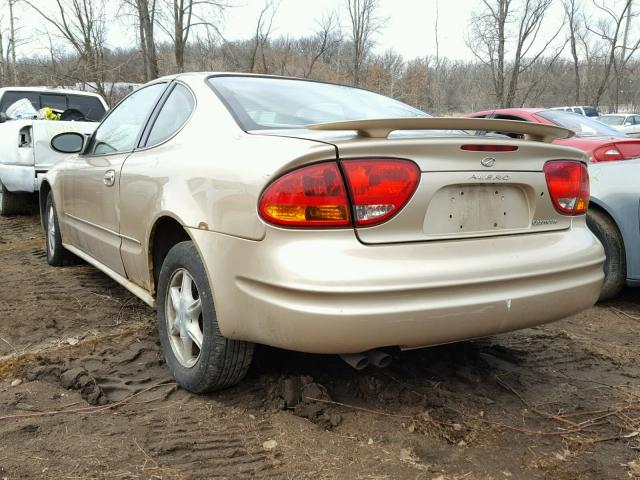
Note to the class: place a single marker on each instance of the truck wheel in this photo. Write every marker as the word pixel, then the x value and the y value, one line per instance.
pixel 57 255
pixel 13 203
pixel 199 357
pixel 615 269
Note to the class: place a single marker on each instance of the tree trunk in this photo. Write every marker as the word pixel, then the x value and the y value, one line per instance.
pixel 146 16
pixel 13 43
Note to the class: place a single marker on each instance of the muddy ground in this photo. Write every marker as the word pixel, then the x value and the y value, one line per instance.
pixel 84 394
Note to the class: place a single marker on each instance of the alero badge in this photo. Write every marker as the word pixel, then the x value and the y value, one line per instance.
pixel 488 162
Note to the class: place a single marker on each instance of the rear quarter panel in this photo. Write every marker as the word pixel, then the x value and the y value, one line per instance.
pixel 208 177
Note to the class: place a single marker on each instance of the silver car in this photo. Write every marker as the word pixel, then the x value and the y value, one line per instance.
pixel 628 123
pixel 614 217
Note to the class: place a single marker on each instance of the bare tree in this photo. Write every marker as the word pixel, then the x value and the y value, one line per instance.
pixel 571 10
pixel 627 49
pixel 82 23
pixel 185 16
pixel 364 26
pixel 264 27
pixel 3 61
pixel 324 36
pixel 609 29
pixel 145 11
pixel 491 32
pixel 12 40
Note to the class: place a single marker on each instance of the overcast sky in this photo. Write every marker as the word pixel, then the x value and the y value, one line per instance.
pixel 409 29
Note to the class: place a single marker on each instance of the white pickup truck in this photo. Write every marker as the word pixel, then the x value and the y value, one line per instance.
pixel 25 152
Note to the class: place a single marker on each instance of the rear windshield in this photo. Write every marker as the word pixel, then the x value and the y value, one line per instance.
pixel 260 103
pixel 90 108
pixel 583 126
pixel 611 120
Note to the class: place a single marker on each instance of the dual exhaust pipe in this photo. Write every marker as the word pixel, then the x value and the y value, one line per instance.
pixel 360 361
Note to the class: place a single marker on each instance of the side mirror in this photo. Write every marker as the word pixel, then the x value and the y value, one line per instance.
pixel 627 123
pixel 68 142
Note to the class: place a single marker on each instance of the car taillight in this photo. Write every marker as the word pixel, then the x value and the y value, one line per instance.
pixel 315 196
pixel 379 187
pixel 568 184
pixel 607 153
pixel 312 196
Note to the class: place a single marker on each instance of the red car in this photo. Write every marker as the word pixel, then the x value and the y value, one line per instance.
pixel 600 142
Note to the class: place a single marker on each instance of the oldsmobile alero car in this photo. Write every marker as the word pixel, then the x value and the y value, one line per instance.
pixel 319 218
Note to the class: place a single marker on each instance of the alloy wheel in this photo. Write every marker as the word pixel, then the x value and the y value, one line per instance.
pixel 51 230
pixel 184 318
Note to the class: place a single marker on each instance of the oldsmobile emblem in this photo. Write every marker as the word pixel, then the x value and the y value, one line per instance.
pixel 488 162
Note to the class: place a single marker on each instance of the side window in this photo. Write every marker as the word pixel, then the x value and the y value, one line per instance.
pixel 577 110
pixel 173 115
pixel 636 119
pixel 90 107
pixel 511 117
pixel 55 102
pixel 120 130
pixel 9 98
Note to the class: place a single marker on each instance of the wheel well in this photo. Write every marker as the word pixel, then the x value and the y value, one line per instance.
pixel 166 233
pixel 45 188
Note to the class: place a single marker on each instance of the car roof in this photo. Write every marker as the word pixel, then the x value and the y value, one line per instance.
pixel 518 110
pixel 205 75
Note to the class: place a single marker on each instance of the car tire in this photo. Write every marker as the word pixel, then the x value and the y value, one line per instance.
pixel 57 255
pixel 615 271
pixel 217 362
pixel 14 203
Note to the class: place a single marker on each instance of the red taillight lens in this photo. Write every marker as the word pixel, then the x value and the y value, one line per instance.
pixel 379 187
pixel 312 196
pixel 607 153
pixel 489 148
pixel 568 184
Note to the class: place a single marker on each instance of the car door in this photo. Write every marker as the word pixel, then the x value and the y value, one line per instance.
pixel 90 185
pixel 144 175
pixel 634 130
pixel 630 126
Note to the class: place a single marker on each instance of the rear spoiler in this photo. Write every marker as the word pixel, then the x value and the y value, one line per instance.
pixel 381 128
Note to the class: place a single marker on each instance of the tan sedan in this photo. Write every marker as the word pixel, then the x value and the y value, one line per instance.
pixel 319 218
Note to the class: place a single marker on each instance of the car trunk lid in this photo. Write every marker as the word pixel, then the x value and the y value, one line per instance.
pixel 463 193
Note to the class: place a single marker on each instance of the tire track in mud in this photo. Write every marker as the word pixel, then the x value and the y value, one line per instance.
pixel 48 305
pixel 202 446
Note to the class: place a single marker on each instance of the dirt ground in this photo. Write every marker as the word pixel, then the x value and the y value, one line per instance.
pixel 84 393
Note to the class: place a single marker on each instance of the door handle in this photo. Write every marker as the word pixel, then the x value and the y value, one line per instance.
pixel 109 178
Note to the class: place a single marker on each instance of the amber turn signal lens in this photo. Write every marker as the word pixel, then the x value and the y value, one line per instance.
pixel 568 184
pixel 312 196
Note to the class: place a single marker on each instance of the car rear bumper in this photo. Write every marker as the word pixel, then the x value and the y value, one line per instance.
pixel 325 292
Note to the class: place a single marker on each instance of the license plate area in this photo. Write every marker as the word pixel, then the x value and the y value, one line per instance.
pixel 471 208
